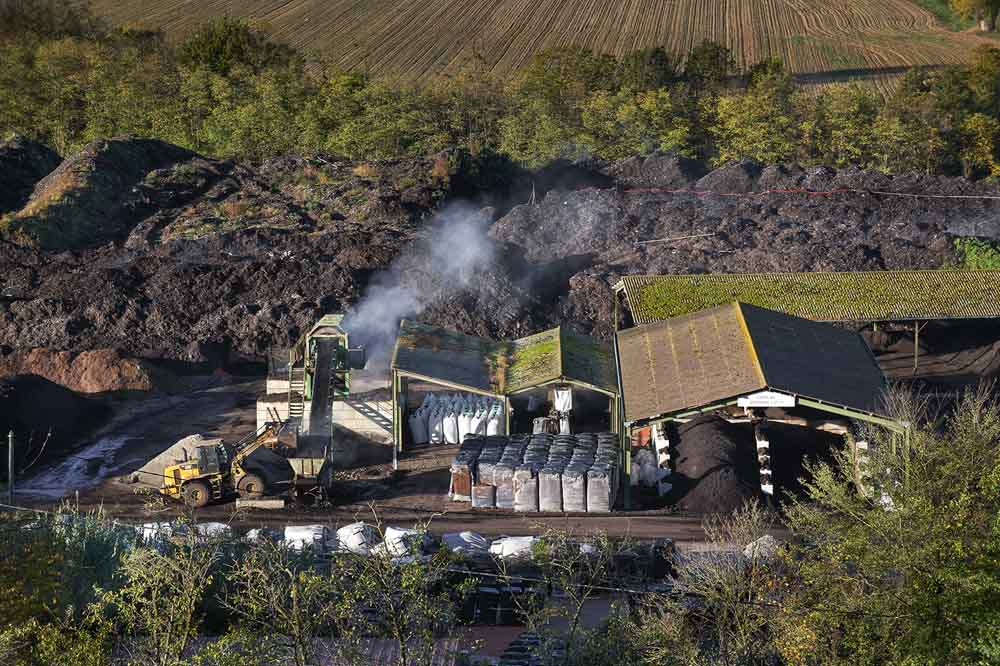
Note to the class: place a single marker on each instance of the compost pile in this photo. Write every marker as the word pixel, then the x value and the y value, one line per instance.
pixel 793 449
pixel 32 406
pixel 148 249
pixel 716 469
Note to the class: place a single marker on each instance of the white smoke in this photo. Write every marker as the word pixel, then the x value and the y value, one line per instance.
pixel 440 265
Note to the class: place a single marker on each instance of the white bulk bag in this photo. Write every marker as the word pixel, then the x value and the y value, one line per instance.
pixel 435 424
pixel 468 543
pixel 358 538
pixel 465 424
pixel 418 429
pixel 513 547
pixel 305 536
pixel 493 423
pixel 451 427
pixel 400 542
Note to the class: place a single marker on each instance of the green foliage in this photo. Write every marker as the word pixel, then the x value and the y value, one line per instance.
pixel 283 604
pixel 47 18
pixel 411 599
pixel 647 69
pixel 906 564
pixel 840 126
pixel 978 254
pixel 155 608
pixel 226 43
pixel 944 11
pixel 229 91
pixel 43 644
pixel 708 65
pixel 623 124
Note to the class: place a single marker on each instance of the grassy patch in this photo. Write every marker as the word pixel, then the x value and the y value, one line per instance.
pixel 942 11
pixel 976 254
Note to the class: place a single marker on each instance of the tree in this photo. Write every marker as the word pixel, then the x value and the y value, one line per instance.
pixel 647 69
pixel 283 602
pixel 725 607
pixel 755 125
pixel 841 126
pixel 225 43
pixel 413 598
pixel 907 573
pixel 626 123
pixel 977 9
pixel 984 79
pixel 979 145
pixel 708 65
pixel 48 18
pixel 155 609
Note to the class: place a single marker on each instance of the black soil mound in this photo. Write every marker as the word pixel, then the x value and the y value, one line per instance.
pixel 31 406
pixel 245 256
pixel 716 466
pixel 793 450
pixel 23 163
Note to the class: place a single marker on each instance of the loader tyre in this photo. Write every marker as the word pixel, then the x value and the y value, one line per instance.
pixel 196 494
pixel 251 486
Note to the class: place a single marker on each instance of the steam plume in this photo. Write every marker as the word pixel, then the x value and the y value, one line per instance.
pixel 438 266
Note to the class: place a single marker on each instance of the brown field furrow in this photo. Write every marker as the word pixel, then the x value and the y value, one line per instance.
pixel 419 39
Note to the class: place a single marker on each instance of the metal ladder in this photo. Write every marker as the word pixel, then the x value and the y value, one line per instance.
pixel 296 397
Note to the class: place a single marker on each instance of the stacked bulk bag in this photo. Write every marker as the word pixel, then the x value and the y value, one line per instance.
pixel 599 489
pixel 550 488
pixel 543 472
pixel 574 487
pixel 525 489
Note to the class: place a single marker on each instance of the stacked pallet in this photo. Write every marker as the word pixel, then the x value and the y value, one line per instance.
pixel 542 472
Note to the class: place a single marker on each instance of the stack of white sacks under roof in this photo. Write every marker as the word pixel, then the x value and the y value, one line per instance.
pixel 448 418
pixel 541 472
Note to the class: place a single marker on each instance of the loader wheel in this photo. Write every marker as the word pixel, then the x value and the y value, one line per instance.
pixel 196 494
pixel 251 486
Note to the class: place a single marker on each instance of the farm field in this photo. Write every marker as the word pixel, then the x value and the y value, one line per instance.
pixel 821 40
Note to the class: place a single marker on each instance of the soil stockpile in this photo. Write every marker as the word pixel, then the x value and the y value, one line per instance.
pixel 97 371
pixel 31 406
pixel 793 450
pixel 23 163
pixel 204 254
pixel 716 468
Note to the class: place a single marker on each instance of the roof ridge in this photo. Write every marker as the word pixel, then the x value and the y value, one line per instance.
pixel 754 356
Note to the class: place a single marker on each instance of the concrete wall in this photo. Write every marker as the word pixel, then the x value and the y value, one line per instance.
pixel 277 385
pixel 277 404
pixel 371 419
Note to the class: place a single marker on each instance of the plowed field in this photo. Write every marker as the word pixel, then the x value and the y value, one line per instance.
pixel 822 40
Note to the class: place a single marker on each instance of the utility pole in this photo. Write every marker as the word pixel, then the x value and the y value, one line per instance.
pixel 10 468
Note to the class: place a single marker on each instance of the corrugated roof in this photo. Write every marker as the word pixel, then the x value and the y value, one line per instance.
pixel 504 367
pixel 449 356
pixel 719 354
pixel 858 297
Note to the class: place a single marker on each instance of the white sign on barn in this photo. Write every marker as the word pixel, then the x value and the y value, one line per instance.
pixel 767 399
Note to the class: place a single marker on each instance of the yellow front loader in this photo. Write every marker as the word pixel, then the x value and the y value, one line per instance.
pixel 214 472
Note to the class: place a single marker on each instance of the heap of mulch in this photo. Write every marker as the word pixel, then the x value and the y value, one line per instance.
pixel 716 468
pixel 31 406
pixel 793 450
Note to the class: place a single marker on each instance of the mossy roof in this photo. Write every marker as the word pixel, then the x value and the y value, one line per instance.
pixel 502 368
pixel 857 297
pixel 716 355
